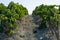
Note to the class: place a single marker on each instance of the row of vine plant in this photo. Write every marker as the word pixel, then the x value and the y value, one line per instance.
pixel 50 15
pixel 9 16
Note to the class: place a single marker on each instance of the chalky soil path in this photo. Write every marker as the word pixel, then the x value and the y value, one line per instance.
pixel 25 31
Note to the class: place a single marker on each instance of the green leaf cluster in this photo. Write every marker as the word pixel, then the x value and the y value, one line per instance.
pixel 9 16
pixel 48 13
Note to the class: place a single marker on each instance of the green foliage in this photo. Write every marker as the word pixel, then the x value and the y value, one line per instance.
pixel 42 25
pixel 47 12
pixel 9 16
pixel 19 9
